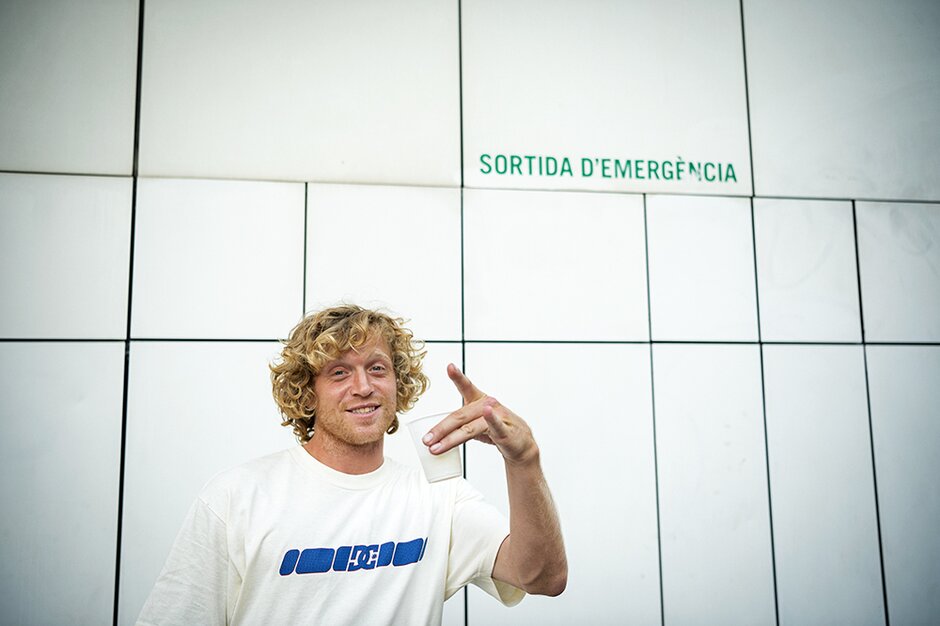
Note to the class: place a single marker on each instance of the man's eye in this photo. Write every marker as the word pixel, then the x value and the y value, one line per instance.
pixel 378 368
pixel 337 372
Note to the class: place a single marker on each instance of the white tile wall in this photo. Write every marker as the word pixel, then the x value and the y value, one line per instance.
pixel 217 259
pixel 899 264
pixel 555 266
pixel 295 90
pixel 842 106
pixel 391 247
pixel 905 403
pixel 806 271
pixel 701 269
pixel 589 407
pixel 828 562
pixel 64 249
pixel 716 549
pixel 60 445
pixel 843 98
pixel 68 74
pixel 646 81
pixel 194 409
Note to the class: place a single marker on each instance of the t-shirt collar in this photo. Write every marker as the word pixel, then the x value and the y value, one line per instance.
pixel 336 477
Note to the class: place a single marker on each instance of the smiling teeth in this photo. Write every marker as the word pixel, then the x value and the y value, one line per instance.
pixel 363 410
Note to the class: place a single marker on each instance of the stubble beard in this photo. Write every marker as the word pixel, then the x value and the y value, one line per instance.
pixel 340 431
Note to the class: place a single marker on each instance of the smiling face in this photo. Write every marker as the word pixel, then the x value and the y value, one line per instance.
pixel 356 396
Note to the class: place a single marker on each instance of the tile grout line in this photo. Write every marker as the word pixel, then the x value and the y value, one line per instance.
pixel 770 507
pixel 135 168
pixel 579 342
pixel 463 343
pixel 649 323
pixel 747 97
pixel 304 288
pixel 463 292
pixel 463 336
pixel 871 430
pixel 760 344
pixel 622 192
pixel 763 400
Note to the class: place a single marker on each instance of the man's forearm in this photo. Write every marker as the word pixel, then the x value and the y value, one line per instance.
pixel 532 557
pixel 535 548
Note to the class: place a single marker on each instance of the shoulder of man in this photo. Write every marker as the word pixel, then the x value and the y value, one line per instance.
pixel 243 478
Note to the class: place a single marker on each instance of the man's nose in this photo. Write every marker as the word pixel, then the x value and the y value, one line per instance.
pixel 361 383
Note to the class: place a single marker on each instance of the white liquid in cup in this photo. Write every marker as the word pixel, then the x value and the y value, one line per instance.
pixel 436 466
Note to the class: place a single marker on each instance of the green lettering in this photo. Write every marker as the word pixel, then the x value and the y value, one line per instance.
pixel 587 168
pixel 623 170
pixel 551 166
pixel 667 170
pixel 707 177
pixel 529 160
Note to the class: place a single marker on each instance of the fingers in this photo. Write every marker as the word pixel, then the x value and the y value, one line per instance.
pixel 467 389
pixel 473 421
pixel 482 418
pixel 471 430
pixel 496 428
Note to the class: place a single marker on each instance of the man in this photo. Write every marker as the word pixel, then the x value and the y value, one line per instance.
pixel 330 531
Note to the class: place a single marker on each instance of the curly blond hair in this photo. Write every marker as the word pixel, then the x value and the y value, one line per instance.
pixel 322 337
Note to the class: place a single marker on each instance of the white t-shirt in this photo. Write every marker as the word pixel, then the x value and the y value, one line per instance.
pixel 285 539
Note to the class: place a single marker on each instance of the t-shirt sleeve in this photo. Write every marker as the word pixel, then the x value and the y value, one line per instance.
pixel 477 532
pixel 192 587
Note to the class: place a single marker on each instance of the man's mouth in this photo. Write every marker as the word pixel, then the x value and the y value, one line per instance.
pixel 364 410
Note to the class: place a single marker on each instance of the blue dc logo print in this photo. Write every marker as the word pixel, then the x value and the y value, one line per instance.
pixel 352 558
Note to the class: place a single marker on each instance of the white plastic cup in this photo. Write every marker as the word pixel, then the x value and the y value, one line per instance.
pixel 436 466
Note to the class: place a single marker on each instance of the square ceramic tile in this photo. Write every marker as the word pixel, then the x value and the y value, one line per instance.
pixel 325 91
pixel 905 403
pixel 589 407
pixel 391 247
pixel 701 269
pixel 68 80
pixel 194 409
pixel 60 455
pixel 844 106
pixel 823 492
pixel 554 266
pixel 608 96
pixel 806 272
pixel 899 264
pixel 716 545
pixel 217 259
pixel 65 250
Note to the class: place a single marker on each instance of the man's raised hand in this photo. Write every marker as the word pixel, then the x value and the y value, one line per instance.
pixel 483 418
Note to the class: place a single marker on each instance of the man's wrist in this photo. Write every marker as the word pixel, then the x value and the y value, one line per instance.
pixel 528 459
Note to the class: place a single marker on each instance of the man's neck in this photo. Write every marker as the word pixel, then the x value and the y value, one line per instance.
pixel 345 457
